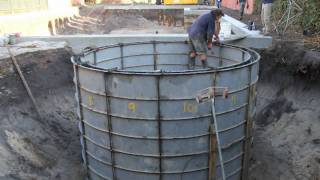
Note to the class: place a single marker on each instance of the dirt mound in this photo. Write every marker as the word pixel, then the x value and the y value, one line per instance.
pixel 32 148
pixel 286 138
pixel 97 20
pixel 293 58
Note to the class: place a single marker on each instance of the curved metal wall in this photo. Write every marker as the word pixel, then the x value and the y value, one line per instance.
pixel 147 125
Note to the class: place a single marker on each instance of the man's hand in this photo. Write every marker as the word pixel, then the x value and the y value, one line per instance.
pixel 209 45
pixel 217 39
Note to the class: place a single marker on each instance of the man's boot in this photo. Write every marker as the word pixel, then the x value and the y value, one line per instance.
pixel 191 63
pixel 204 64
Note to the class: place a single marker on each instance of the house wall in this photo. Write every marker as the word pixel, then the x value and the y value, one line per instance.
pixel 232 4
pixel 31 17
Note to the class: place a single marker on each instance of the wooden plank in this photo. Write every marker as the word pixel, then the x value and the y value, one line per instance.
pixel 16 65
pixel 212 154
pixel 248 129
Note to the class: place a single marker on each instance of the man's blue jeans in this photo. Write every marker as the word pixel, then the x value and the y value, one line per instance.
pixel 218 3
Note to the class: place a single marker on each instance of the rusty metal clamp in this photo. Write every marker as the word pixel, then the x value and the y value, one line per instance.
pixel 211 92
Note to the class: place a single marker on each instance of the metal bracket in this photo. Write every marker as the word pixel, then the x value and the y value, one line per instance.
pixel 211 92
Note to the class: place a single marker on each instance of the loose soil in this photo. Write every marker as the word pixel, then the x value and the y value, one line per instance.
pixel 97 20
pixel 286 135
pixel 33 148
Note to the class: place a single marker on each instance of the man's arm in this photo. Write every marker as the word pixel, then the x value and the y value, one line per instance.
pixel 210 33
pixel 217 30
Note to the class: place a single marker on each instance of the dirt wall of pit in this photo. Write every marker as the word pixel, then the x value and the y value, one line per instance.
pixel 32 147
pixel 286 139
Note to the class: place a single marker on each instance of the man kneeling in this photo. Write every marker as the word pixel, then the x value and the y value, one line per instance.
pixel 201 33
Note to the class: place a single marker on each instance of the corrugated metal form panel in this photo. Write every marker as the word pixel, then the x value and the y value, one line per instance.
pixel 22 6
pixel 141 121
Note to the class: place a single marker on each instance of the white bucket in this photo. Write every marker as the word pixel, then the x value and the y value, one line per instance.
pixel 225 29
pixel 4 40
pixel 12 39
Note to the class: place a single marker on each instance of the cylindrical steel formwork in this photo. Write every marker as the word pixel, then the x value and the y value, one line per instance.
pixel 140 120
